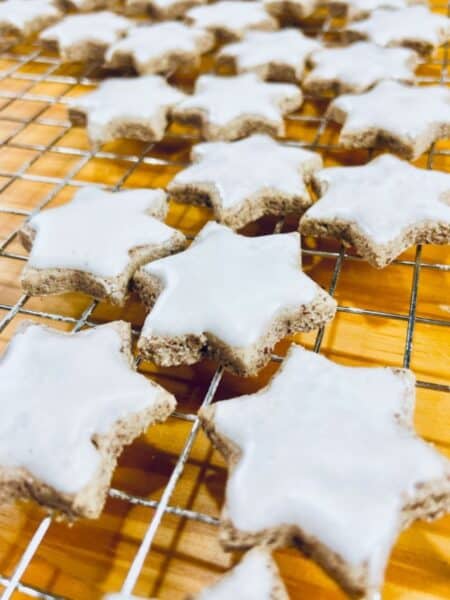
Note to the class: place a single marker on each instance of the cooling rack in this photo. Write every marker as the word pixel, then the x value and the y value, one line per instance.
pixel 160 539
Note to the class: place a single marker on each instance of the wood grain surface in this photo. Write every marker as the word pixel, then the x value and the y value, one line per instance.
pixel 84 560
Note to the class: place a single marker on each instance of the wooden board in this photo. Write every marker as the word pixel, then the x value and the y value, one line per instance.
pixel 91 557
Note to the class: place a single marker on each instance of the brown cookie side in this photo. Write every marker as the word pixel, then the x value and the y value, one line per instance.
pixel 378 255
pixel 90 51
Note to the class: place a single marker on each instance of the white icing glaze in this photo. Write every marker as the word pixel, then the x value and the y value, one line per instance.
pixel 354 466
pixel 133 99
pixel 361 65
pixel 228 285
pixel 251 579
pixel 406 111
pixel 96 230
pixel 258 48
pixel 147 44
pixel 21 13
pixel 361 8
pixel 394 27
pixel 231 15
pixel 383 198
pixel 241 169
pixel 76 386
pixel 104 27
pixel 227 98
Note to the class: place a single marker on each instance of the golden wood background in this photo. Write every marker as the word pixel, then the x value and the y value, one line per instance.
pixel 91 557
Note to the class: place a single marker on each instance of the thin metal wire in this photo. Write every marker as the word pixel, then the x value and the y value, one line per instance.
pixel 160 507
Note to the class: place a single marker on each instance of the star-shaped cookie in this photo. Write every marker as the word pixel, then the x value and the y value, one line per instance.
pixel 63 426
pixel 161 9
pixel 228 297
pixel 291 11
pixel 134 107
pixel 415 27
pixel 358 67
pixel 381 208
pixel 256 577
pixel 244 180
pixel 406 119
pixel 275 55
pixel 358 9
pixel 85 37
pixel 228 108
pixel 230 19
pixel 326 458
pixel 95 243
pixel 159 48
pixel 22 17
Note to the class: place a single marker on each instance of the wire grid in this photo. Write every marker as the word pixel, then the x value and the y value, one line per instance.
pixel 163 506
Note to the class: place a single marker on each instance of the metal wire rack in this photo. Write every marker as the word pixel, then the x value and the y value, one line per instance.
pixel 50 66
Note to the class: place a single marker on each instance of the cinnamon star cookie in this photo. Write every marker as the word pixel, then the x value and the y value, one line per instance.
pixel 406 119
pixel 381 208
pixel 230 19
pixel 415 27
pixel 244 180
pixel 159 48
pixel 22 17
pixel 358 67
pixel 274 55
pixel 95 243
pixel 63 426
pixel 85 37
pixel 326 458
pixel 230 298
pixel 228 108
pixel 134 107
